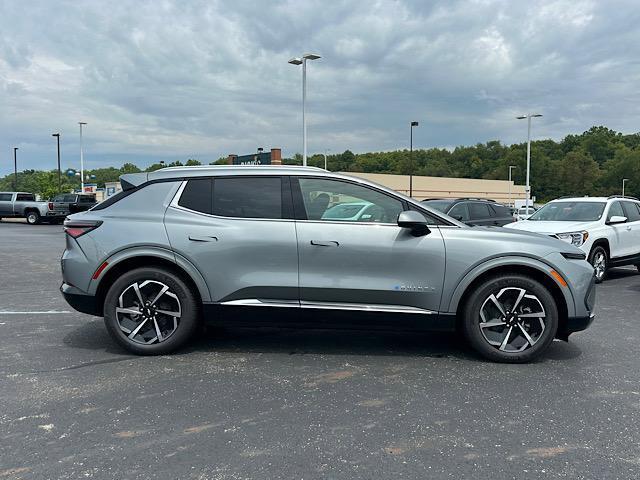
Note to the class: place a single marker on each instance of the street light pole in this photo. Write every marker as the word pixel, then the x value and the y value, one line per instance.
pixel 528 116
pixel 15 168
pixel 325 158
pixel 511 167
pixel 57 135
pixel 81 159
pixel 303 61
pixel 413 124
pixel 624 180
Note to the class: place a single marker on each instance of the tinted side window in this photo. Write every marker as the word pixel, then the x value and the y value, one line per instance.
pixel 197 195
pixel 500 211
pixel 632 211
pixel 615 209
pixel 248 197
pixel 5 197
pixel 25 197
pixel 69 198
pixel 479 210
pixel 459 212
pixel 87 199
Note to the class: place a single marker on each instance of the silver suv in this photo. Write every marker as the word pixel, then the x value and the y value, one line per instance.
pixel 181 245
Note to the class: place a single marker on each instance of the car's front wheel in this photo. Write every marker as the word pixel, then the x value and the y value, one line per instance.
pixel 510 318
pixel 599 259
pixel 150 311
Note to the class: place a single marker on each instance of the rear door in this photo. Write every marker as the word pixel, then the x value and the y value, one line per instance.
pixel 502 215
pixel 480 213
pixel 239 232
pixel 6 204
pixel 371 264
pixel 621 240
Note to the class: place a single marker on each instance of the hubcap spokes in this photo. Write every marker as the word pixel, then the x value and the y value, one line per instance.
pixel 599 264
pixel 148 312
pixel 512 320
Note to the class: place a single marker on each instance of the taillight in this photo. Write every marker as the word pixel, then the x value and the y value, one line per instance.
pixel 78 228
pixel 50 205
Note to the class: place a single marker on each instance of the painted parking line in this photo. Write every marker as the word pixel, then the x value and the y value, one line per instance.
pixel 48 312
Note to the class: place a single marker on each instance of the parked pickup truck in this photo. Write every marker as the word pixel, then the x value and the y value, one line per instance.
pixel 23 204
pixel 68 203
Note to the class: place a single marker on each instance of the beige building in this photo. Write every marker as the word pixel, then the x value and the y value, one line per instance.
pixel 502 191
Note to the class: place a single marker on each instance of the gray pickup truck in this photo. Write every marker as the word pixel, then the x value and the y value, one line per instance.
pixel 24 205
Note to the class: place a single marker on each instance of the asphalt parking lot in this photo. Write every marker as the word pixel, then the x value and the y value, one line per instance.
pixel 299 404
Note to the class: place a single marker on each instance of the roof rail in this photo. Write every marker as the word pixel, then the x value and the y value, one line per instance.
pixel 622 196
pixel 474 198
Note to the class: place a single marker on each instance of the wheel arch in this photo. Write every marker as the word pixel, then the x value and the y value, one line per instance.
pixel 601 242
pixel 538 272
pixel 128 260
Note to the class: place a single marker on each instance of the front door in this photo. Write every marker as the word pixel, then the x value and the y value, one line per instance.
pixel 363 261
pixel 239 233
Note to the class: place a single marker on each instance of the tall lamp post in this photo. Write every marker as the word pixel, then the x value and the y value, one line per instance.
pixel 15 168
pixel 624 180
pixel 511 167
pixel 413 124
pixel 528 116
pixel 81 159
pixel 57 135
pixel 303 61
pixel 325 158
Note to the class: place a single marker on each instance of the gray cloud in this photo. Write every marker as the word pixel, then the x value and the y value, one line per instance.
pixel 202 79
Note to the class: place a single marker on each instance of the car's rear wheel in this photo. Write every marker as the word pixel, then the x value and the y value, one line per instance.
pixel 510 318
pixel 151 311
pixel 33 217
pixel 599 259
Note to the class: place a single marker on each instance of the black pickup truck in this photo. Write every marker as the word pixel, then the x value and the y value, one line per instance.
pixel 68 203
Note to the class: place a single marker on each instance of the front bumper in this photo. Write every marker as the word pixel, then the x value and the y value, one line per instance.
pixel 80 301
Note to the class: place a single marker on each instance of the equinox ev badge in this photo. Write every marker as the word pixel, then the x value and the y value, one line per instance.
pixel 414 288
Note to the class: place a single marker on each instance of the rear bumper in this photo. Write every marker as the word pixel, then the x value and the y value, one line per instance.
pixel 80 301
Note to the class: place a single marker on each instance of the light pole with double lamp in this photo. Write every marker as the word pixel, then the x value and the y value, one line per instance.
pixel 528 116
pixel 303 61
pixel 413 124
pixel 57 135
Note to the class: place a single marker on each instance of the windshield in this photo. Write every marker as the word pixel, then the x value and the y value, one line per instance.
pixel 569 211
pixel 440 205
pixel 345 210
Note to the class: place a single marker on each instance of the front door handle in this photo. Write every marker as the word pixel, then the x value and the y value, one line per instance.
pixel 629 227
pixel 202 238
pixel 325 243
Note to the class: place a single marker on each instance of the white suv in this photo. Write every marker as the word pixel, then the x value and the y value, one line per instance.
pixel 606 229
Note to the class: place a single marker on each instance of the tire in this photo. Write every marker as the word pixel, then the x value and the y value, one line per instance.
pixel 489 340
pixel 33 217
pixel 599 260
pixel 136 332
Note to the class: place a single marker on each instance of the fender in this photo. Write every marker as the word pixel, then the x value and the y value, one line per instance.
pixel 158 252
pixel 451 304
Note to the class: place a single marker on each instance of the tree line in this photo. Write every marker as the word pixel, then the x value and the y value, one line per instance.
pixel 592 163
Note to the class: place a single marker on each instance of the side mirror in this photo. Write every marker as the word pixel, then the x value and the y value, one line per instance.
pixel 616 219
pixel 414 221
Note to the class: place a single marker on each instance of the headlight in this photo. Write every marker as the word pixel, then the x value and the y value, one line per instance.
pixel 574 238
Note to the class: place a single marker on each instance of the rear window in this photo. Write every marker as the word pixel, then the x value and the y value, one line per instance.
pixel 197 195
pixel 248 197
pixel 632 211
pixel 501 210
pixel 87 199
pixel 25 197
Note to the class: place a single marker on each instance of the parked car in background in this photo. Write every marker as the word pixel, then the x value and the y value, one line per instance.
pixel 205 242
pixel 606 229
pixel 522 213
pixel 473 211
pixel 24 205
pixel 70 203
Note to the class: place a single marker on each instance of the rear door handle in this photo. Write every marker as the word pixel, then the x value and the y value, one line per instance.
pixel 202 238
pixel 325 243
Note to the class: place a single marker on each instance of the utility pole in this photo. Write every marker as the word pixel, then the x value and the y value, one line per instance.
pixel 57 135
pixel 15 169
pixel 413 124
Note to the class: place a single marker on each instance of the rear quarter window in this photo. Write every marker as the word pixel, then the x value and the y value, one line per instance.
pixel 197 195
pixel 5 197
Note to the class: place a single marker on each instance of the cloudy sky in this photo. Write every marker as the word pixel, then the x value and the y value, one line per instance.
pixel 200 79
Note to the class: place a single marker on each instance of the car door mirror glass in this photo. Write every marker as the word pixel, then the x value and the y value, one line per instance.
pixel 617 219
